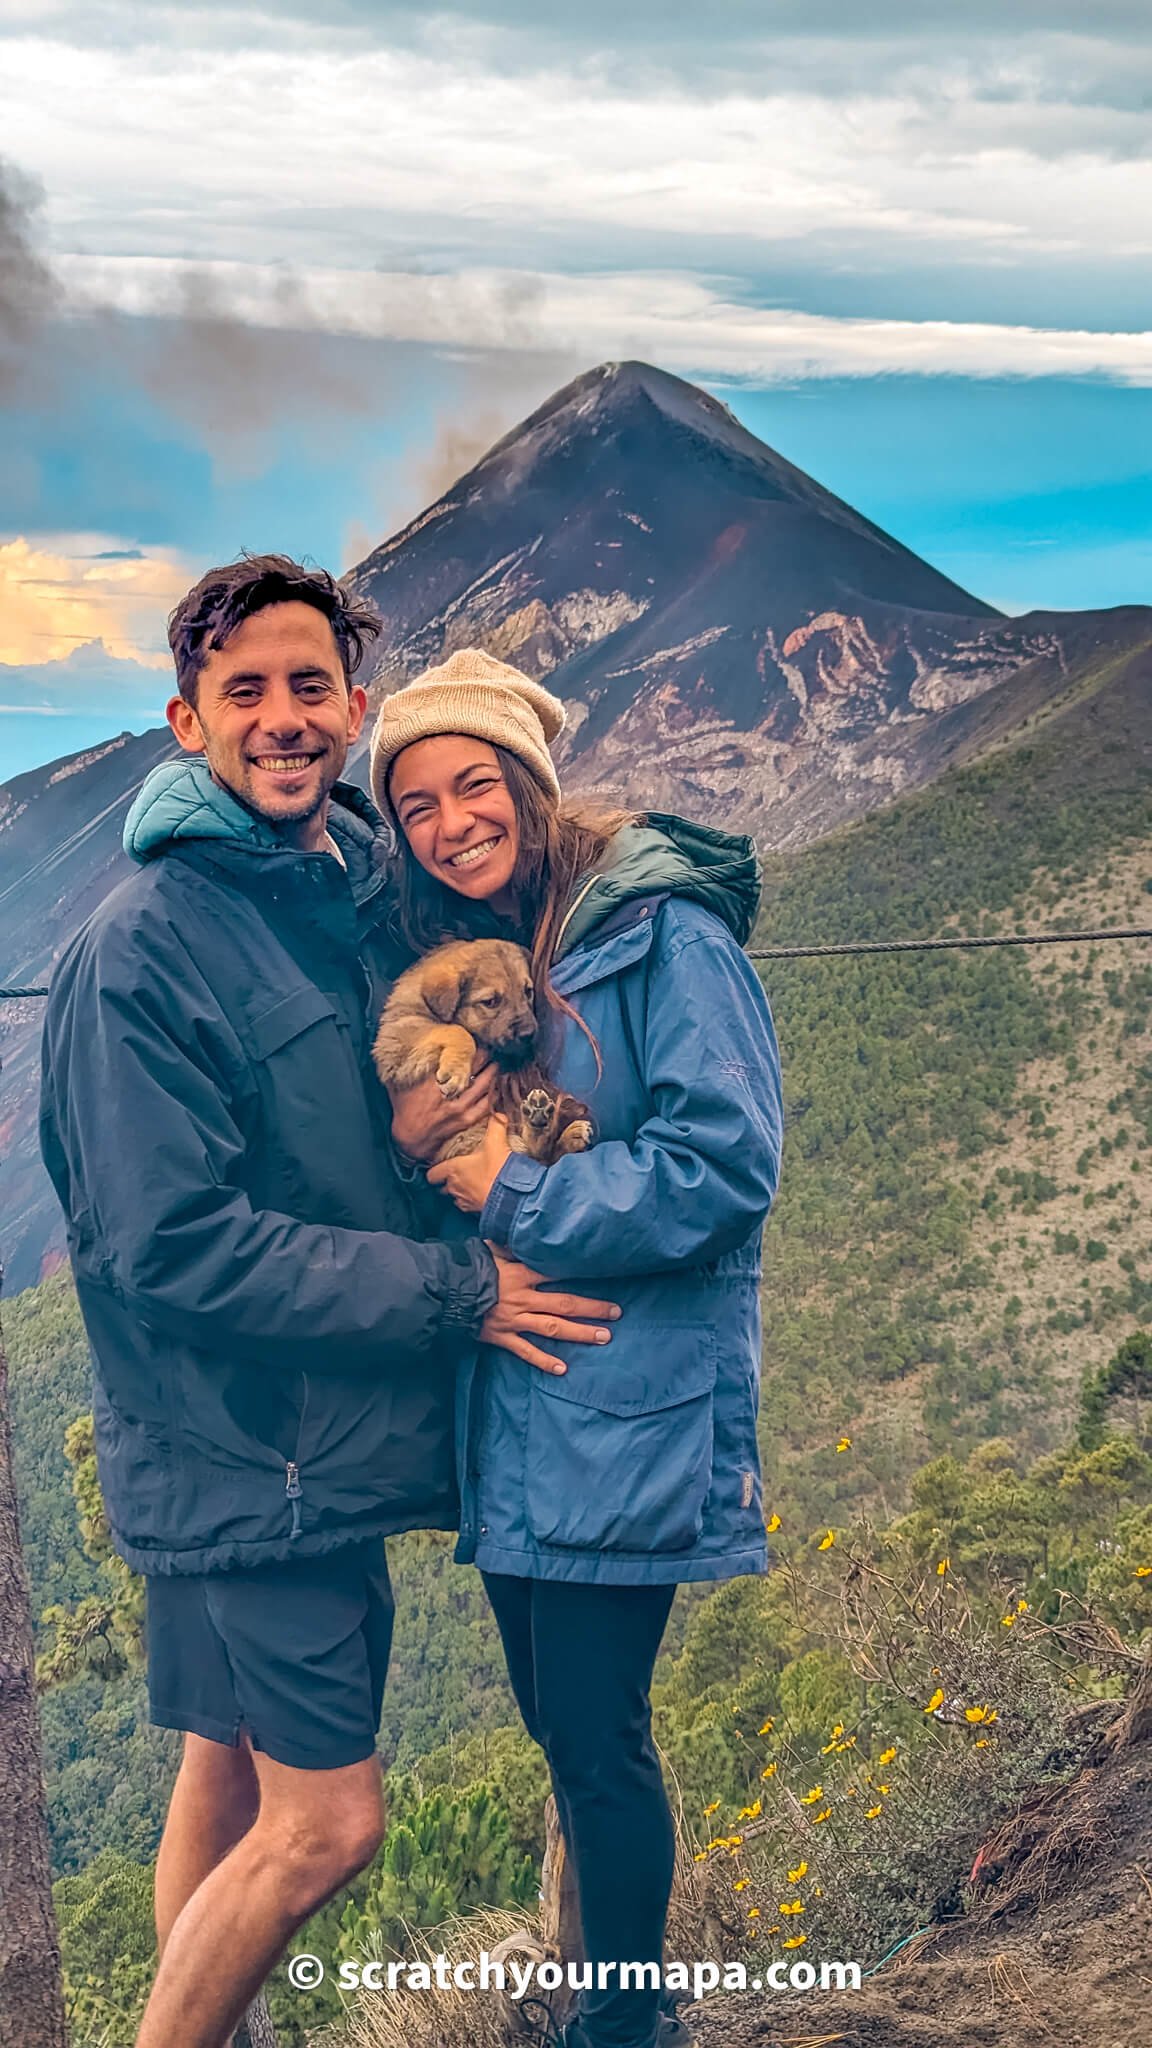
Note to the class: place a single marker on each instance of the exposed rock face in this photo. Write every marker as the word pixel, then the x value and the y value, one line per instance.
pixel 731 640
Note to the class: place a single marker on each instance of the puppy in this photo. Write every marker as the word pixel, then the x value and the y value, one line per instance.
pixel 471 993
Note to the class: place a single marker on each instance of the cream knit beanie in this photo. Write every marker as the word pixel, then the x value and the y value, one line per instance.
pixel 474 694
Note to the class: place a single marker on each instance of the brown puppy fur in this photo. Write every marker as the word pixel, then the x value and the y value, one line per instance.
pixel 467 994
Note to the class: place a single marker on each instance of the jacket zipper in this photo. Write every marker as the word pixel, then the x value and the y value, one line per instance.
pixel 292 1487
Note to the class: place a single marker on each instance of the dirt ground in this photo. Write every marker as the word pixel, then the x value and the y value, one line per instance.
pixel 1056 1952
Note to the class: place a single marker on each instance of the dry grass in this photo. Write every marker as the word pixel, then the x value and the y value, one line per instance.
pixel 451 2018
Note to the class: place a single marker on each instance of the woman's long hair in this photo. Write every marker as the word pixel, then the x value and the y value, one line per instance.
pixel 559 845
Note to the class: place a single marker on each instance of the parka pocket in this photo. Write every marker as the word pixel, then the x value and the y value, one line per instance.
pixel 622 1461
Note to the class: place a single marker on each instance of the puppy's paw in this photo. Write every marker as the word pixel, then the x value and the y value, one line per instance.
pixel 576 1136
pixel 536 1109
pixel 450 1081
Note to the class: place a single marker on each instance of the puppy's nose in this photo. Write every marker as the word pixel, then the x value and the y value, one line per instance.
pixel 525 1026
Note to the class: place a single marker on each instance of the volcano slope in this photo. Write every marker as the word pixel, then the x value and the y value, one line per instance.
pixel 1056 1951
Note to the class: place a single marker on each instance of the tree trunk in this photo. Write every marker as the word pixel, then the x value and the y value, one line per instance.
pixel 1135 1723
pixel 559 1900
pixel 255 2029
pixel 31 1997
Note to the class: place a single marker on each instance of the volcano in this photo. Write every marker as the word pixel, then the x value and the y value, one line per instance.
pixel 730 638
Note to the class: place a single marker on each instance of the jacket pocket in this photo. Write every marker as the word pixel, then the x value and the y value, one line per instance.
pixel 622 1460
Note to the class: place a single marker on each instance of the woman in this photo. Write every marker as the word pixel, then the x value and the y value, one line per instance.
pixel 589 1495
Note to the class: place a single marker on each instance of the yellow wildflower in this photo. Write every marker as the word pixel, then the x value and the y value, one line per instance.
pixel 768 1726
pixel 817 1893
pixel 753 1912
pixel 937 1700
pixel 874 1813
pixel 1021 1607
pixel 942 1567
pixel 849 1742
pixel 845 1444
pixel 770 1771
pixel 849 1791
pixel 741 1884
pixel 800 1871
pixel 714 1808
pixel 1009 1621
pixel 975 1714
pixel 701 1855
pixel 772 1524
pixel 818 1817
pixel 1143 1571
pixel 888 1757
pixel 810 1798
pixel 884 1790
pixel 985 1742
pixel 830 1745
pixel 791 1906
pixel 828 1541
pixel 795 1941
pixel 749 1812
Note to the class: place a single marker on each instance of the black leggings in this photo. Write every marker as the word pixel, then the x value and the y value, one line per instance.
pixel 580 1658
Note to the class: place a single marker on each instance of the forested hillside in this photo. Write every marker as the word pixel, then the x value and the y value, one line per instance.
pixel 964 1230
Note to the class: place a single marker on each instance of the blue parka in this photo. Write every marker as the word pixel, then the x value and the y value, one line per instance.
pixel 274 1350
pixel 639 1465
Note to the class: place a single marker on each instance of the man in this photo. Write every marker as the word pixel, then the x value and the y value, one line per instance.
pixel 273 1347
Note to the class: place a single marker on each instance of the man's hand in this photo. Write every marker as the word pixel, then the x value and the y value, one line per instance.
pixel 469 1177
pixel 520 1311
pixel 423 1119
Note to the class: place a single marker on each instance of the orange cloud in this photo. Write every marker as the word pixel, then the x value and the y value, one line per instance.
pixel 55 596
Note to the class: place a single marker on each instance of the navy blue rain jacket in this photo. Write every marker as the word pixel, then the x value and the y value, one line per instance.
pixel 274 1353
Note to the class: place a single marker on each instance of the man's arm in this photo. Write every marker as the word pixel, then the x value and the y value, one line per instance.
pixel 142 1144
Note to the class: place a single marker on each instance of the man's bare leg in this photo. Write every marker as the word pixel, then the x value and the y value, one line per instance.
pixel 214 1802
pixel 313 1832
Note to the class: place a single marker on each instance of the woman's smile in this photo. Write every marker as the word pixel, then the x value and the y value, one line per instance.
pixel 472 854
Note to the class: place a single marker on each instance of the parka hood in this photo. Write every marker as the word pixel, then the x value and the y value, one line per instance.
pixel 668 855
pixel 180 802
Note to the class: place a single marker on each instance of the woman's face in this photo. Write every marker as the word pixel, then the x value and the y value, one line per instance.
pixel 456 812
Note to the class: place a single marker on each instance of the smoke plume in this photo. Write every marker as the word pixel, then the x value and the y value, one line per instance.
pixel 28 289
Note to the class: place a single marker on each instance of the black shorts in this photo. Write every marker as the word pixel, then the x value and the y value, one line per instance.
pixel 292 1655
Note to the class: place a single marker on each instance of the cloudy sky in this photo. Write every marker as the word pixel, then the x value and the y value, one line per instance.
pixel 270 275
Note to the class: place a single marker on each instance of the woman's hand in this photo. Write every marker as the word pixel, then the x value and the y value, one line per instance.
pixel 469 1178
pixel 423 1119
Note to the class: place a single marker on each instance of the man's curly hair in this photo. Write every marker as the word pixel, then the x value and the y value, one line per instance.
pixel 205 619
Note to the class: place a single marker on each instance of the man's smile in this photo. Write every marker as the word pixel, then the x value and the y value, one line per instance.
pixel 284 764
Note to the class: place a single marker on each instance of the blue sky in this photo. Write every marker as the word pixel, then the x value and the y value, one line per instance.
pixel 268 277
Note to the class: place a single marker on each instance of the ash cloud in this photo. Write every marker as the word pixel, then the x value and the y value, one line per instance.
pixel 193 345
pixel 28 289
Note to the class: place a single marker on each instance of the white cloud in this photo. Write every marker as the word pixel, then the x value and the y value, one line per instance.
pixel 685 323
pixel 62 592
pixel 309 153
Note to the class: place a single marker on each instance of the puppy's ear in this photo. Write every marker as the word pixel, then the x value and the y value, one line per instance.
pixel 443 990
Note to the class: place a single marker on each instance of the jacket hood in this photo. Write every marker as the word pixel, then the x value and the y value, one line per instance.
pixel 181 802
pixel 667 855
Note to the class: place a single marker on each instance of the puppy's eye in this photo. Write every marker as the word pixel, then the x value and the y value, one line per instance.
pixel 528 991
pixel 489 1002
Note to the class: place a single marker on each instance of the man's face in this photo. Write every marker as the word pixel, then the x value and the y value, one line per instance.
pixel 274 715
